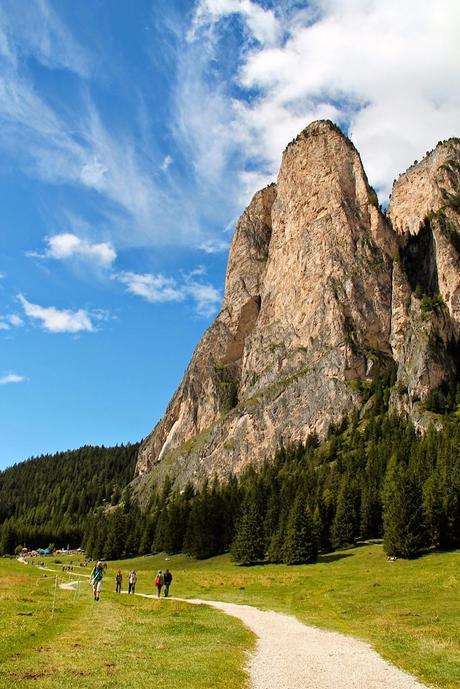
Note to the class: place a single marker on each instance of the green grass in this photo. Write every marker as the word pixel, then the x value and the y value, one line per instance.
pixel 119 642
pixel 407 610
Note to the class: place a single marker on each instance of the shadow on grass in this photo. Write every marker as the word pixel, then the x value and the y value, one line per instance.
pixel 332 557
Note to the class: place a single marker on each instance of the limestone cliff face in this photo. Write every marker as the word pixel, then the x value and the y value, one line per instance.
pixel 424 211
pixel 321 292
pixel 210 385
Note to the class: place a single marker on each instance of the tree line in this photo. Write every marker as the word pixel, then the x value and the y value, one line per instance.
pixel 371 478
pixel 49 498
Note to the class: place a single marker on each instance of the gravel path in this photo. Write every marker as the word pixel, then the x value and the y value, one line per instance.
pixel 292 655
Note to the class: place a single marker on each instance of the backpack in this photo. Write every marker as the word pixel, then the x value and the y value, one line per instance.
pixel 158 580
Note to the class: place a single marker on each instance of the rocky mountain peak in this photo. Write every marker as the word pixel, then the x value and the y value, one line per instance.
pixel 422 189
pixel 320 298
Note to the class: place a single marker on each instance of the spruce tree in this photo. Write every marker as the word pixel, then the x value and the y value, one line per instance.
pixel 433 510
pixel 7 539
pixel 248 546
pixel 202 537
pixel 147 535
pixel 300 545
pixel 402 513
pixel 344 527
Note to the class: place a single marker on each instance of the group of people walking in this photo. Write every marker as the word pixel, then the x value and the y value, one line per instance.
pixel 161 579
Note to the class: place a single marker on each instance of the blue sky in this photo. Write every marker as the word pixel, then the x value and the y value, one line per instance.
pixel 131 137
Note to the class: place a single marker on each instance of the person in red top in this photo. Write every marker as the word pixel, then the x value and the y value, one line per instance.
pixel 159 581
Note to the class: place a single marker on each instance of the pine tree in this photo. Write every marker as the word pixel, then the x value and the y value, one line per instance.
pixel 318 527
pixel 8 539
pixel 249 544
pixel 344 527
pixel 301 545
pixel 177 519
pixel 202 535
pixel 402 513
pixel 433 510
pixel 147 535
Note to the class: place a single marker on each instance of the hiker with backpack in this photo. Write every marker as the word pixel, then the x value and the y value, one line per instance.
pixel 167 578
pixel 118 581
pixel 159 581
pixel 96 579
pixel 132 579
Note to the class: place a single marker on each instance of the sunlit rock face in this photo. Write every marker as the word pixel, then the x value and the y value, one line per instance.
pixel 322 295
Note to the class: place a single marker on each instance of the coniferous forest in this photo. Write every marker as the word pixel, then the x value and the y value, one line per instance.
pixel 48 499
pixel 372 477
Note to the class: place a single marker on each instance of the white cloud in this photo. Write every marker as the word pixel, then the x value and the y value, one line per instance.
pixel 388 71
pixel 9 321
pixel 261 22
pixel 67 245
pixel 153 288
pixel 207 298
pixel 11 378
pixel 167 162
pixel 213 246
pixel 15 320
pixel 93 173
pixel 55 320
pixel 159 288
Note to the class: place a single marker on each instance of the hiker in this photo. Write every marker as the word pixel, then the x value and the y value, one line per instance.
pixel 96 579
pixel 159 581
pixel 132 578
pixel 118 581
pixel 167 578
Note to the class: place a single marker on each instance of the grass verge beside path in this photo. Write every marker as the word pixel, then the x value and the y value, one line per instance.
pixel 407 610
pixel 119 642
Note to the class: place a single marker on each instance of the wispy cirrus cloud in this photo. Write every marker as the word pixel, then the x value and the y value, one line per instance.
pixel 66 245
pixel 75 145
pixel 55 320
pixel 157 288
pixel 42 34
pixel 11 378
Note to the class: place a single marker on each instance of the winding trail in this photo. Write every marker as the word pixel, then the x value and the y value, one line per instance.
pixel 292 655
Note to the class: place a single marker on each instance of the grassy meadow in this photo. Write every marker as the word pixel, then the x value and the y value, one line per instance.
pixel 120 641
pixel 407 610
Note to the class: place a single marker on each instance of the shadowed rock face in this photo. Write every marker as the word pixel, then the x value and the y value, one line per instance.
pixel 424 211
pixel 319 294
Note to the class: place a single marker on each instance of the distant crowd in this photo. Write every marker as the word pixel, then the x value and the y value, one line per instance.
pixel 162 580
